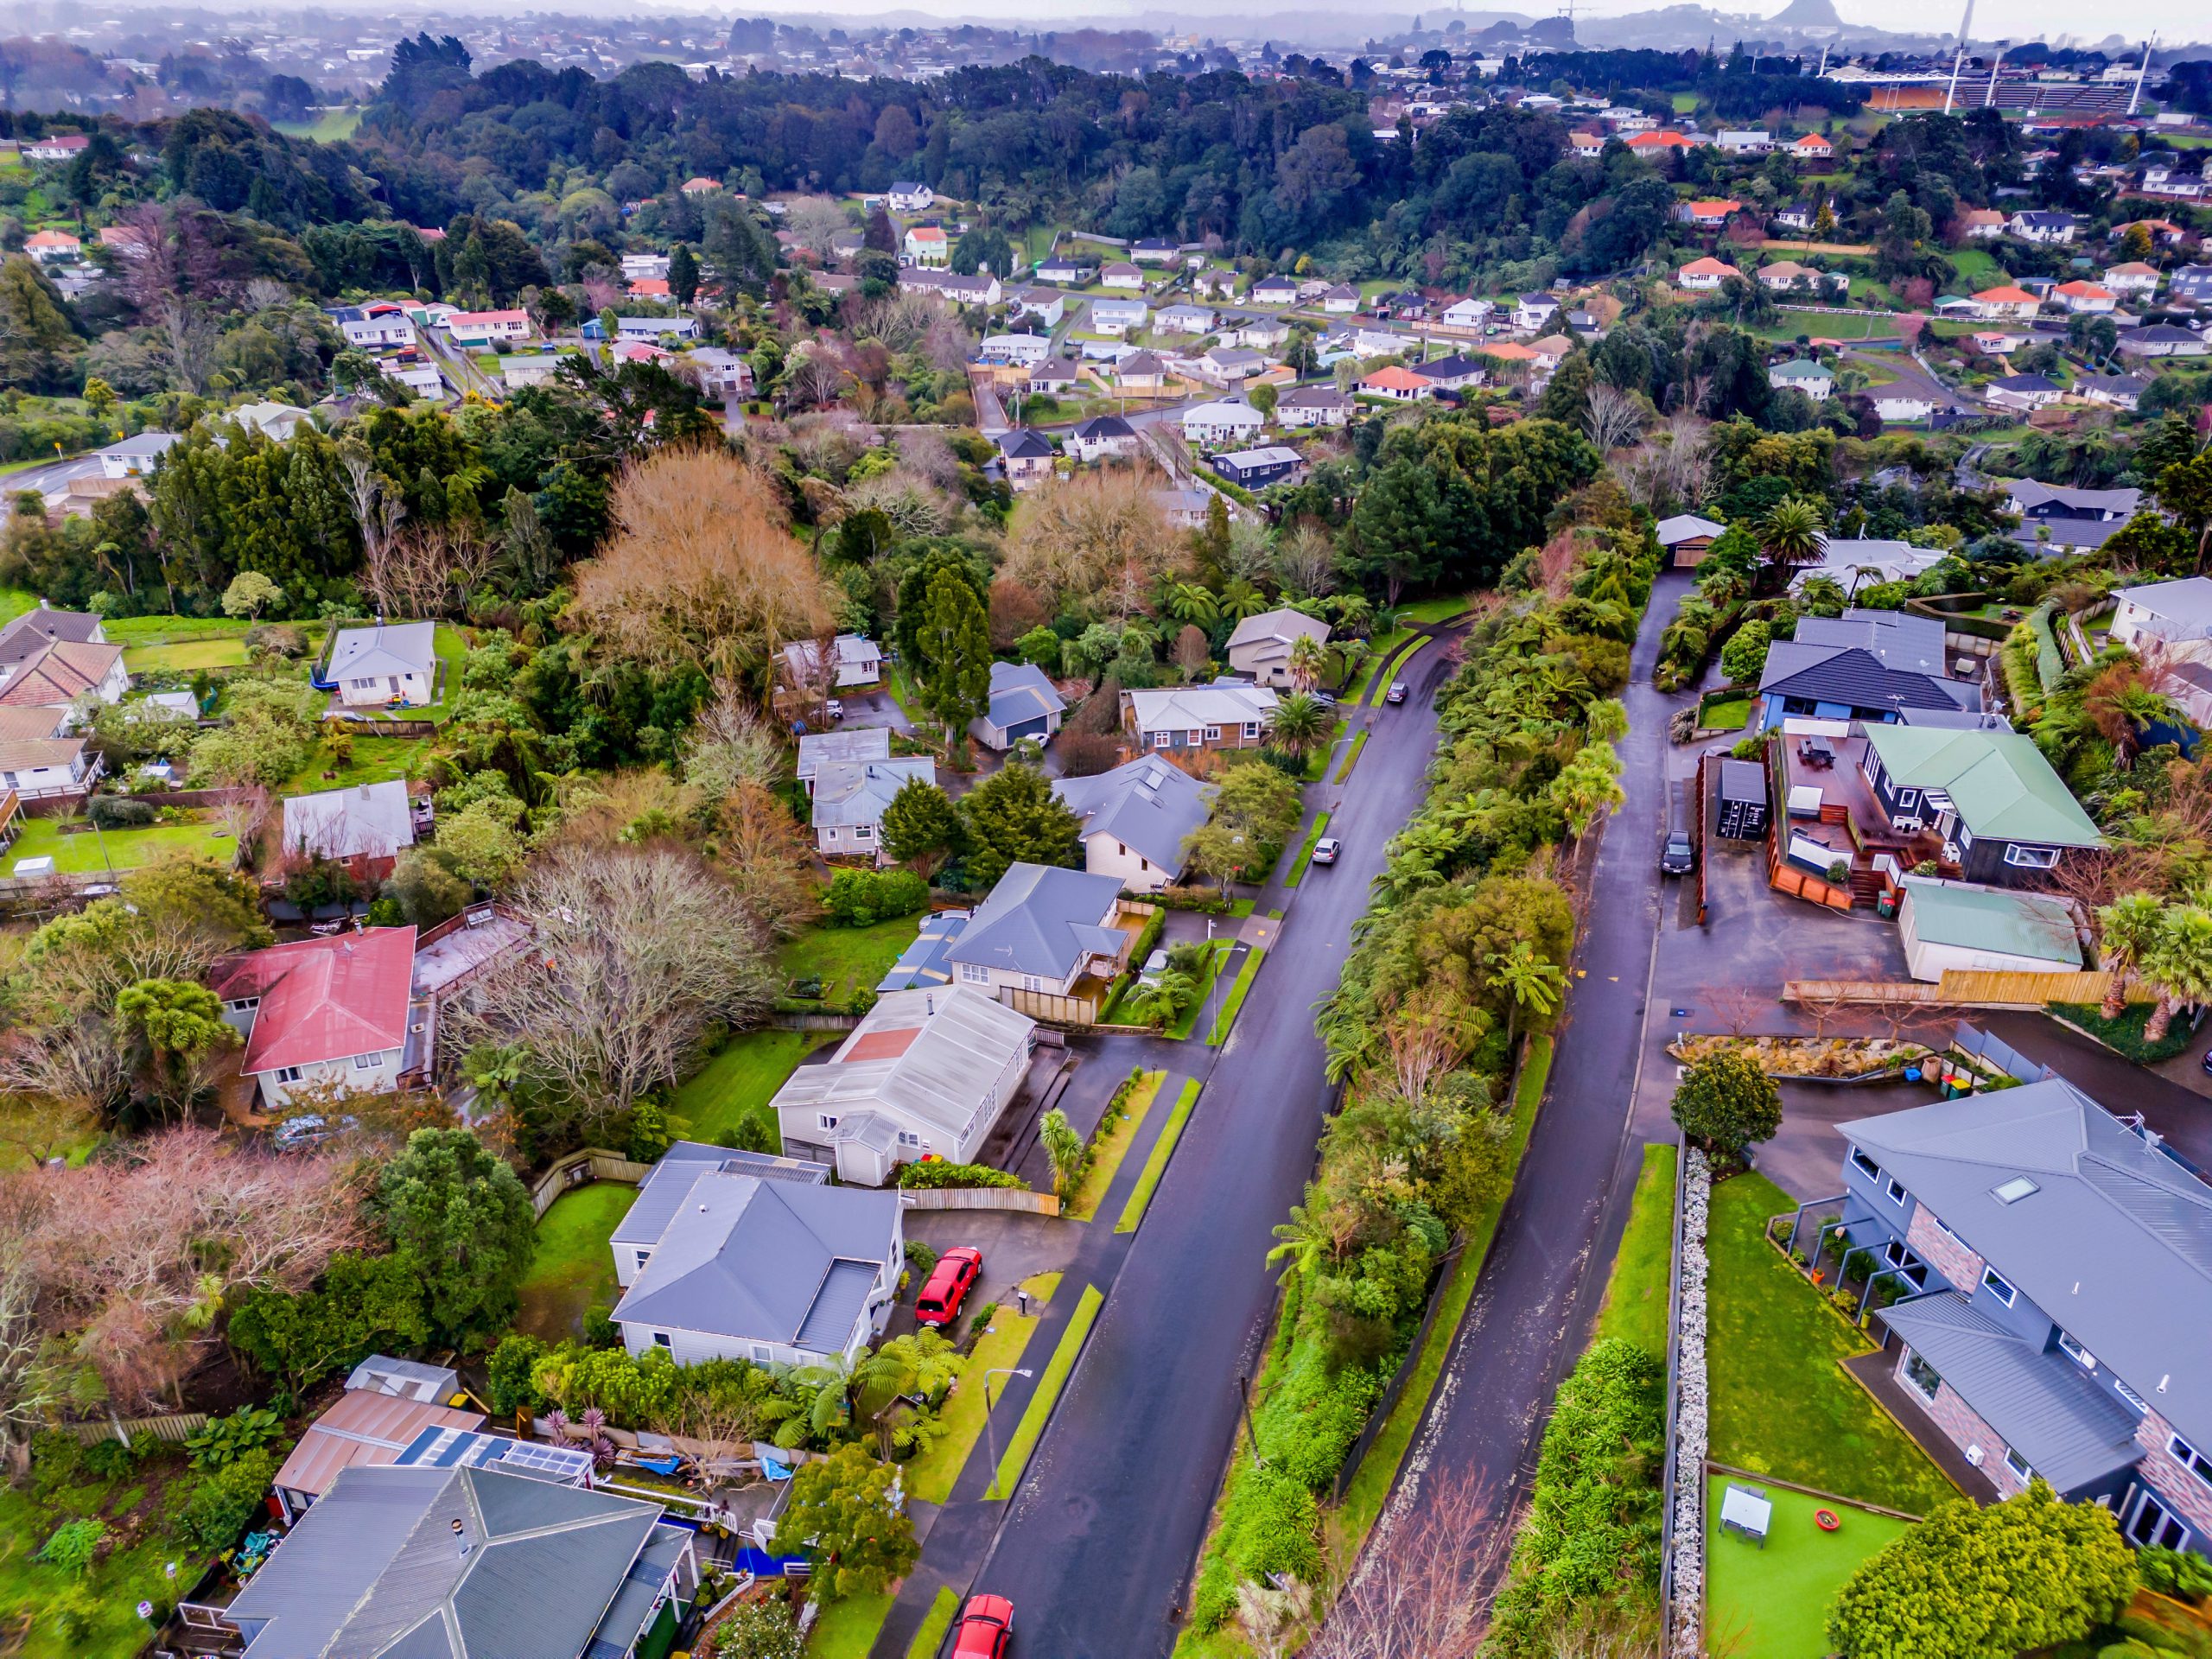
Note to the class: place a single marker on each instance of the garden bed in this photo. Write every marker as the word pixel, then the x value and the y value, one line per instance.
pixel 1809 1059
pixel 2125 1035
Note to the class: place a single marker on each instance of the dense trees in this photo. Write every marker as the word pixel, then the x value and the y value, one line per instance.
pixel 463 1220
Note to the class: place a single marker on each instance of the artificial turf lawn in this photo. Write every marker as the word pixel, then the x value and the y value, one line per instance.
pixel 847 959
pixel 931 1476
pixel 88 851
pixel 572 1271
pixel 734 1088
pixel 1031 1429
pixel 1155 1167
pixel 1106 1157
pixel 1782 1403
pixel 1636 1291
pixel 1772 1603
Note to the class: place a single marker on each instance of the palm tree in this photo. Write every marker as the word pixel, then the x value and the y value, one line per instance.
pixel 1792 533
pixel 2179 963
pixel 2121 702
pixel 1351 652
pixel 1300 724
pixel 2128 928
pixel 1529 982
pixel 1239 600
pixel 1309 660
pixel 1187 602
pixel 1307 1239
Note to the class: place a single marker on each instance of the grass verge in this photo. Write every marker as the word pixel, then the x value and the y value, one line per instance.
pixel 573 1270
pixel 1031 1429
pixel 1781 1404
pixel 1351 755
pixel 1217 953
pixel 1155 1167
pixel 1383 648
pixel 1306 852
pixel 847 1628
pixel 1317 765
pixel 1636 1291
pixel 1106 1157
pixel 1378 1469
pixel 932 1476
pixel 935 1624
pixel 1389 673
pixel 1221 1026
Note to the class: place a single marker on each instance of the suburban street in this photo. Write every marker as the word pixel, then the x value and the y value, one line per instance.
pixel 1099 1541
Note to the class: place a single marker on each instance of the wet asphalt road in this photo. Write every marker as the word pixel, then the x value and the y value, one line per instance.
pixel 1097 1546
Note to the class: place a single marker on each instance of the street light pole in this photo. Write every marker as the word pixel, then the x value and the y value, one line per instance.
pixel 1213 986
pixel 990 1436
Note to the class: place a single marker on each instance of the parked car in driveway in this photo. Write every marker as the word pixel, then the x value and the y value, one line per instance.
pixel 948 1285
pixel 1399 692
pixel 986 1629
pixel 297 1134
pixel 1677 856
pixel 1326 848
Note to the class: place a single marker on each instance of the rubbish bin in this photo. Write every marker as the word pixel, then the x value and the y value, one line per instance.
pixel 1886 906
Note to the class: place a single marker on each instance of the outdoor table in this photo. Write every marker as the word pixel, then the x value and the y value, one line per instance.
pixel 1746 1512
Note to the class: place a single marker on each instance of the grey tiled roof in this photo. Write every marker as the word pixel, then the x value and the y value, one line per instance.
pixel 1038 919
pixel 1148 805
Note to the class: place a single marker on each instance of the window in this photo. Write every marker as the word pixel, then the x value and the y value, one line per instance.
pixel 643 1256
pixel 2027 858
pixel 1995 1285
pixel 975 973
pixel 2130 1395
pixel 367 1062
pixel 1251 731
pixel 2155 1525
pixel 242 1005
pixel 1031 982
pixel 2017 1466
pixel 1197 737
pixel 2014 1190
pixel 2190 1458
pixel 863 832
pixel 1163 740
pixel 662 1340
pixel 824 1120
pixel 1907 799
pixel 1922 1375
pixel 2074 1351
pixel 1864 1164
pixel 1947 1232
pixel 908 1138
pixel 289 1074
pixel 1213 734
pixel 1122 849
pixel 760 1353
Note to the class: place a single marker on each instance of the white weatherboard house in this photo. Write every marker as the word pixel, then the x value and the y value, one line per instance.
pixel 859 661
pixel 1228 421
pixel 321 1012
pixel 779 1272
pixel 370 821
pixel 849 799
pixel 2175 618
pixel 926 1075
pixel 1042 930
pixel 386 663
pixel 1135 819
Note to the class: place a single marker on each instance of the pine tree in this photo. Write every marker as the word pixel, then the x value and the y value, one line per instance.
pixel 953 652
pixel 683 274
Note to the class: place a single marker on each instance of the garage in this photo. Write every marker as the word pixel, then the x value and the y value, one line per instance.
pixel 1954 926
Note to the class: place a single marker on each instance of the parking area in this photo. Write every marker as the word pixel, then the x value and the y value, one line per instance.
pixel 875 708
pixel 1016 1246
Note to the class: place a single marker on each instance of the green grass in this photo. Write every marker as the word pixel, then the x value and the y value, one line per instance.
pixel 329 126
pixel 134 631
pixel 1772 1601
pixel 186 656
pixel 1380 655
pixel 2125 1035
pixel 1106 1157
pixel 82 854
pixel 13 602
pixel 1781 1404
pixel 1031 1429
pixel 1685 103
pixel 375 760
pixel 1306 851
pixel 1317 764
pixel 1155 1167
pixel 1635 1293
pixel 1977 267
pixel 930 1636
pixel 132 1573
pixel 1241 907
pixel 1351 756
pixel 1383 680
pixel 847 959
pixel 734 1087
pixel 931 1476
pixel 1217 952
pixel 1234 1001
pixel 1441 607
pixel 847 1627
pixel 572 1271
pixel 1827 326
pixel 1726 713
pixel 1378 1469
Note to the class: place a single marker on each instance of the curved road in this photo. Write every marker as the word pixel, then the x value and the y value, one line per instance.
pixel 1533 1302
pixel 1097 1546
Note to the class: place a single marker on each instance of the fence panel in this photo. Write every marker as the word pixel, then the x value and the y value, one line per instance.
pixel 979 1198
pixel 1983 985
pixel 592 1164
pixel 175 1428
pixel 1050 1005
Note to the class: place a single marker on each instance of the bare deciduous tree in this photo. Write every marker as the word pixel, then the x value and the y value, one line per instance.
pixel 1612 417
pixel 815 223
pixel 1738 1008
pixel 1100 537
pixel 1305 558
pixel 1422 1589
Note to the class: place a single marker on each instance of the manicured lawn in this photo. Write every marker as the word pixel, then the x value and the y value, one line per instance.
pixel 376 760
pixel 1155 1167
pixel 1436 609
pixel 88 850
pixel 186 656
pixel 1977 267
pixel 133 1571
pixel 1306 851
pixel 1031 1429
pixel 932 1476
pixel 1370 1485
pixel 847 1628
pixel 734 1088
pixel 1772 1601
pixel 1781 1404
pixel 847 959
pixel 574 1271
pixel 1351 756
pixel 129 631
pixel 1727 713
pixel 1235 999
pixel 1106 1157
pixel 1635 1293
pixel 930 1636
pixel 1825 324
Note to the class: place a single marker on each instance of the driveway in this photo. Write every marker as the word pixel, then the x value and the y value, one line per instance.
pixel 876 708
pixel 1805 1159
pixel 1015 1245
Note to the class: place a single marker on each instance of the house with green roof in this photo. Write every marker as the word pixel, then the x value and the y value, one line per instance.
pixel 1947 925
pixel 2005 817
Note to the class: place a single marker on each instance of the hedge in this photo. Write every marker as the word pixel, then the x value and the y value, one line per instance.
pixel 938 1174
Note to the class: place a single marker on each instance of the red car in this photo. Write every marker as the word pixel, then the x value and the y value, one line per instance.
pixel 948 1285
pixel 986 1629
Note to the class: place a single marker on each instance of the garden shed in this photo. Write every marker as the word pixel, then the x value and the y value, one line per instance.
pixel 1742 800
pixel 1951 925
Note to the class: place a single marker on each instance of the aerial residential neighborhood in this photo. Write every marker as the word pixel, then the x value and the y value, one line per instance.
pixel 1194 839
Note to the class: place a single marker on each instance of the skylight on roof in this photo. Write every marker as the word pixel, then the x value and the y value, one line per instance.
pixel 2014 1190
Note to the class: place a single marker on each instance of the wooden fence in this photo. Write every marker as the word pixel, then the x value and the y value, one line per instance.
pixel 1050 1005
pixel 580 1168
pixel 176 1427
pixel 1967 988
pixel 979 1198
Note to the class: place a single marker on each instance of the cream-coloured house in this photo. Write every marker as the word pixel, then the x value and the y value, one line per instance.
pixel 330 1012
pixel 1261 645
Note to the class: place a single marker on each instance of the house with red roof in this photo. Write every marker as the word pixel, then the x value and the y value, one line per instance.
pixel 321 1013
pixel 1708 215
pixel 2087 298
pixel 1812 148
pixel 1649 143
pixel 1400 385
pixel 926 245
pixel 2005 303
pixel 47 246
pixel 1703 275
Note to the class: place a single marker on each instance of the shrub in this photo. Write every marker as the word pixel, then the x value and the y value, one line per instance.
pixel 222 1503
pixel 921 1256
pixel 120 812
pixel 759 1630
pixel 938 1173
pixel 862 897
pixel 509 1374
pixel 227 1440
pixel 2175 1573
pixel 74 1545
pixel 112 1459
